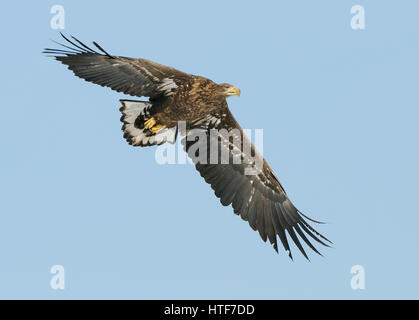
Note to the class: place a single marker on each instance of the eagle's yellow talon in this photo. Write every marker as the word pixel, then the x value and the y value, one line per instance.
pixel 157 128
pixel 150 123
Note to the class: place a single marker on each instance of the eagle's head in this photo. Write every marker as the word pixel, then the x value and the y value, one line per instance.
pixel 227 90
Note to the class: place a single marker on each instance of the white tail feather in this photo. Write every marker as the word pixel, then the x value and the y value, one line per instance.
pixel 136 112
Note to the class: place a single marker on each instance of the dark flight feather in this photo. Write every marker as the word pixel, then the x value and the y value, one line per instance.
pixel 260 199
pixel 135 77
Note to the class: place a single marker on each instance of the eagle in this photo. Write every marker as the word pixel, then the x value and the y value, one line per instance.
pixel 176 97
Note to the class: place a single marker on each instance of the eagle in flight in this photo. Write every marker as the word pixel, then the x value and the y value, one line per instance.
pixel 175 97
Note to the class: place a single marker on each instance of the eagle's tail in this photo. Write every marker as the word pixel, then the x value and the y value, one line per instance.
pixel 139 126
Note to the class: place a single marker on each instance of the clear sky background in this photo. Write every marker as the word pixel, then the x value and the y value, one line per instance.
pixel 339 109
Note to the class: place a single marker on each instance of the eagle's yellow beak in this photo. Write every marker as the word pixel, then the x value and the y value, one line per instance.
pixel 233 91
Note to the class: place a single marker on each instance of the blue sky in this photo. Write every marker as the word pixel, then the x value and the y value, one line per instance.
pixel 339 110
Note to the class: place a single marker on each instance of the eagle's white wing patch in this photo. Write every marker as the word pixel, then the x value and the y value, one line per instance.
pixel 167 86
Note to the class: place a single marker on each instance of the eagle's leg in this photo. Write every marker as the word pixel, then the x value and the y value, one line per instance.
pixel 156 128
pixel 152 125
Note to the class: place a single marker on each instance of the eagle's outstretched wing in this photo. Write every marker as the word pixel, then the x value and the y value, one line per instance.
pixel 136 77
pixel 257 197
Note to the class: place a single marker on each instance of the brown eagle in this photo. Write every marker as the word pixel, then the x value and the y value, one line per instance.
pixel 200 103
